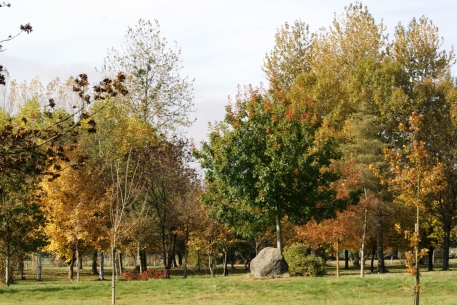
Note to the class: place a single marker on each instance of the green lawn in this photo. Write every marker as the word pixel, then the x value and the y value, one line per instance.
pixel 437 288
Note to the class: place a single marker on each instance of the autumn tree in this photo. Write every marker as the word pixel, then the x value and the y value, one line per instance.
pixel 169 180
pixel 76 208
pixel 289 57
pixel 419 181
pixel 127 204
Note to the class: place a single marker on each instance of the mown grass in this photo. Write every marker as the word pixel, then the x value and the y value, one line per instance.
pixel 438 287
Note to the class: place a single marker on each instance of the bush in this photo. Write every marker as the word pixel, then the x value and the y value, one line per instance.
pixel 146 275
pixel 301 263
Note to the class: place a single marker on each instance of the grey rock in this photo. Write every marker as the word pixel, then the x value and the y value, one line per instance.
pixel 269 262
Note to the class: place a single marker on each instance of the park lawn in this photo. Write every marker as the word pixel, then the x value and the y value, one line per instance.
pixel 437 288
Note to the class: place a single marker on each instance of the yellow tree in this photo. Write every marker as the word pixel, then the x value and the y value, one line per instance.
pixel 76 208
pixel 418 180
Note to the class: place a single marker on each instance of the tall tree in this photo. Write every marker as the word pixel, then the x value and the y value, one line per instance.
pixel 289 57
pixel 158 93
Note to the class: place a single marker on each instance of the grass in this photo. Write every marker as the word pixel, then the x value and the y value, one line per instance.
pixel 438 287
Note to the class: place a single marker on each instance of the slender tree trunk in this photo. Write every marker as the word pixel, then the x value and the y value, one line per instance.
pixel 80 261
pixel 446 243
pixel 38 267
pixel 232 261
pixel 77 265
pixel 362 259
pixel 278 229
pixel 171 253
pixel 372 260
pixel 430 258
pixel 346 259
pixel 138 256
pixel 379 240
pixel 211 264
pixel 144 260
pixel 186 253
pixel 7 266
pixel 101 275
pixel 417 283
pixel 94 263
pixel 198 260
pixel 121 267
pixel 113 275
pixel 164 249
pixel 225 273
pixel 337 260
pixel 21 267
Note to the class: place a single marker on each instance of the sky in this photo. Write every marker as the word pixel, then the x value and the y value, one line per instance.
pixel 223 43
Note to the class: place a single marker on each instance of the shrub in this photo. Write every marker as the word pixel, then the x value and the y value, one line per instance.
pixel 301 263
pixel 146 275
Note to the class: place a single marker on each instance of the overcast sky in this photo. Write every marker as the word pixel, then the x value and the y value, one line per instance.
pixel 223 43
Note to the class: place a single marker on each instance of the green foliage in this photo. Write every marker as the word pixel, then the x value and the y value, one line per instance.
pixel 301 263
pixel 269 157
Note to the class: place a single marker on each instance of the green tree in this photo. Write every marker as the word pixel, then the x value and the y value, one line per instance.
pixel 266 158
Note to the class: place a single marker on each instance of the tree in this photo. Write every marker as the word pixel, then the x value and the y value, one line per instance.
pixel 419 180
pixel 158 94
pixel 21 222
pixel 268 158
pixel 76 208
pixel 127 204
pixel 169 180
pixel 289 57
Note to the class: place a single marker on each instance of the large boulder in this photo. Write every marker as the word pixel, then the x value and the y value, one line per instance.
pixel 269 262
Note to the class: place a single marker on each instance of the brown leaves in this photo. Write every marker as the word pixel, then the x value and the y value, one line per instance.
pixel 26 28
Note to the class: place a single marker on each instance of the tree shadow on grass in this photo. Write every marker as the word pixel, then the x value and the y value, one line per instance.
pixel 40 288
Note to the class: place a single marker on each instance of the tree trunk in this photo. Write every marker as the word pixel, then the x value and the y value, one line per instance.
pixel 94 263
pixel 171 253
pixel 372 260
pixel 101 275
pixel 198 260
pixel 77 265
pixel 21 267
pixel 362 259
pixel 211 264
pixel 379 241
pixel 346 259
pixel 138 252
pixel 225 273
pixel 447 226
pixel 121 266
pixel 38 267
pixel 186 253
pixel 144 260
pixel 430 258
pixel 71 271
pixel 7 267
pixel 337 260
pixel 232 261
pixel 113 275
pixel 164 249
pixel 278 229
